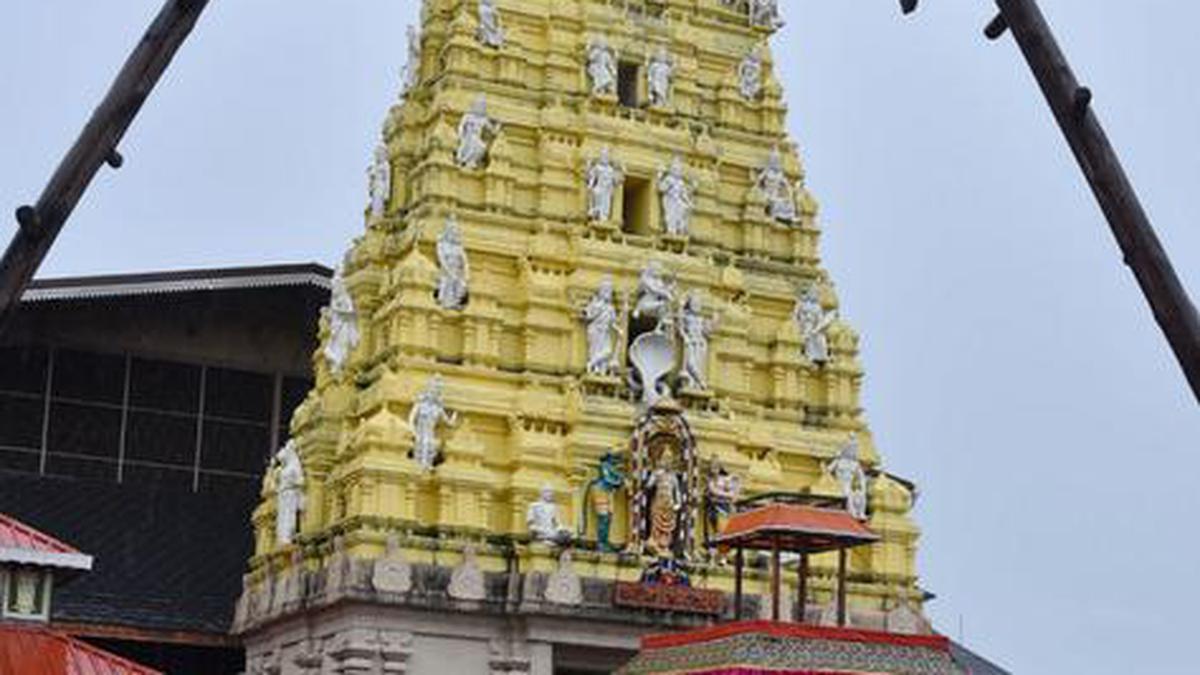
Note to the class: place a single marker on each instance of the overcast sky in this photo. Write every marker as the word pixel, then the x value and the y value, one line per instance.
pixel 1014 370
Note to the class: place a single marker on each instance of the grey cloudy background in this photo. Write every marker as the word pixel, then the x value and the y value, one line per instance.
pixel 1013 368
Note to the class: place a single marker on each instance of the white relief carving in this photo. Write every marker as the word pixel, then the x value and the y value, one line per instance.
pixel 676 194
pixel 847 469
pixel 379 181
pixel 412 70
pixel 694 330
pixel 427 413
pixel 772 182
pixel 454 270
pixel 655 294
pixel 474 134
pixel 490 33
pixel 289 492
pixel 392 573
pixel 467 581
pixel 603 177
pixel 814 322
pixel 659 71
pixel 343 325
pixel 542 519
pixel 750 75
pixel 563 586
pixel 600 315
pixel 765 13
pixel 653 358
pixel 602 67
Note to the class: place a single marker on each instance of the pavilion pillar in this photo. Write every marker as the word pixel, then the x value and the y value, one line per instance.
pixel 801 587
pixel 776 579
pixel 738 566
pixel 841 591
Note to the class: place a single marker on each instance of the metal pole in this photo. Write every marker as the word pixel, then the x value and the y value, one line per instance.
pixel 738 567
pixel 776 580
pixel 802 588
pixel 841 590
pixel 1143 253
pixel 96 146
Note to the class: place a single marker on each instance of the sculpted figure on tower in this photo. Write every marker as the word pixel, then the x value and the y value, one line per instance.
pixel 343 325
pixel 475 132
pixel 542 519
pixel 289 492
pixel 814 322
pixel 765 13
pixel 491 33
pixel 750 74
pixel 655 294
pixel 428 412
pixel 773 183
pixel 602 67
pixel 678 202
pixel 694 329
pixel 603 178
pixel 847 469
pixel 602 330
pixel 379 181
pixel 452 261
pixel 412 70
pixel 659 72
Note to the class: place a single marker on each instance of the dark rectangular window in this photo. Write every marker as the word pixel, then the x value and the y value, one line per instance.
pixel 637 208
pixel 628 83
pixel 23 369
pixel 160 385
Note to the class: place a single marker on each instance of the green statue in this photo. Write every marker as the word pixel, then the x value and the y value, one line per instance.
pixel 599 497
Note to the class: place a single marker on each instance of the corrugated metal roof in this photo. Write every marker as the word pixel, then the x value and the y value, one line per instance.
pixel 30 650
pixel 20 543
pixel 180 281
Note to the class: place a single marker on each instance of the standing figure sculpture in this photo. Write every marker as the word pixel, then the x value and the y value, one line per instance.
pixel 429 411
pixel 603 177
pixel 289 493
pixel 490 33
pixel 666 505
pixel 814 323
pixel 412 70
pixel 721 493
pixel 750 75
pixel 474 132
pixel 542 519
pixel 655 295
pixel 847 470
pixel 772 182
pixel 677 199
pixel 765 13
pixel 599 496
pixel 659 71
pixel 694 329
pixel 451 291
pixel 343 325
pixel 379 181
pixel 600 314
pixel 602 68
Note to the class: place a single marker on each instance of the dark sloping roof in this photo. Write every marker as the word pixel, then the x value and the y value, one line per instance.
pixel 974 663
pixel 178 281
pixel 165 559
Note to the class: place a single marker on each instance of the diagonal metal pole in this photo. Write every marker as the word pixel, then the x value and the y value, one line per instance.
pixel 40 224
pixel 1071 104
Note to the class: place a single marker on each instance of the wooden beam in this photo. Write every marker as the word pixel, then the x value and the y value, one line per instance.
pixel 739 566
pixel 96 146
pixel 1142 251
pixel 776 579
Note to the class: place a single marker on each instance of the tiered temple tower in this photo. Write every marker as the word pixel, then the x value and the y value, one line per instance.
pixel 587 313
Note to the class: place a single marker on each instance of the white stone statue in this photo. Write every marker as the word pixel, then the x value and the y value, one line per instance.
pixel 694 330
pixel 655 294
pixel 602 67
pixel 392 573
pixel 773 183
pixel 542 519
pixel 765 13
pixel 474 134
pixel 848 471
pixel 454 269
pixel 466 580
pixel 343 325
pixel 412 70
pixel 659 71
pixel 289 493
pixel 750 75
pixel 429 411
pixel 603 177
pixel 379 181
pixel 814 323
pixel 678 202
pixel 563 586
pixel 490 33
pixel 600 314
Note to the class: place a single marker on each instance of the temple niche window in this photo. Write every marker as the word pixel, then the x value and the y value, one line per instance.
pixel 26 593
pixel 637 207
pixel 628 84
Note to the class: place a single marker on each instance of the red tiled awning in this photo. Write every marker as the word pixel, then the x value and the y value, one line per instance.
pixel 23 545
pixel 796 527
pixel 38 651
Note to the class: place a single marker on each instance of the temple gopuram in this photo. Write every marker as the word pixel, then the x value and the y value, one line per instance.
pixel 586 327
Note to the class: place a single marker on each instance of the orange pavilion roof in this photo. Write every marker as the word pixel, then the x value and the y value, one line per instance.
pixel 796 527
pixel 30 650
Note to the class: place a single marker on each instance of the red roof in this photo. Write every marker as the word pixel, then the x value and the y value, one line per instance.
pixel 793 631
pixel 38 651
pixel 20 543
pixel 797 527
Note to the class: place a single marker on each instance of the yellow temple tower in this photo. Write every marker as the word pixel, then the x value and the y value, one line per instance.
pixel 586 317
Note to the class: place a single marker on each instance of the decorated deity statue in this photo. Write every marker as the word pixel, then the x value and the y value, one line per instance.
pixel 678 202
pixel 666 505
pixel 379 181
pixel 659 72
pixel 600 314
pixel 602 67
pixel 490 33
pixel 454 269
pixel 429 411
pixel 721 493
pixel 694 329
pixel 772 182
pixel 765 13
pixel 814 323
pixel 847 470
pixel 289 492
pixel 655 294
pixel 474 133
pixel 599 497
pixel 750 75
pixel 412 70
pixel 343 325
pixel 542 519
pixel 603 178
